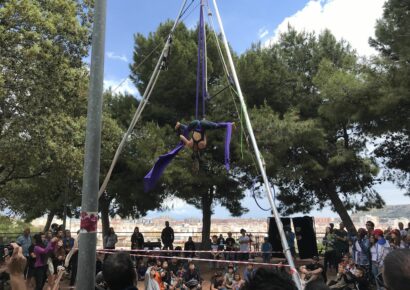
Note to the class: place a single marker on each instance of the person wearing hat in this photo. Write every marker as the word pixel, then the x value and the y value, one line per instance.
pixel 382 248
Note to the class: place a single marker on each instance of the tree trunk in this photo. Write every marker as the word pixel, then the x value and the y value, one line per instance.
pixel 105 218
pixel 207 199
pixel 341 210
pixel 50 218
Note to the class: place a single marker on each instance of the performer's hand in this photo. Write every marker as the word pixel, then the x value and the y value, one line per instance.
pixel 234 125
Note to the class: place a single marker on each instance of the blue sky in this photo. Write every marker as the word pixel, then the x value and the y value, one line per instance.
pixel 245 22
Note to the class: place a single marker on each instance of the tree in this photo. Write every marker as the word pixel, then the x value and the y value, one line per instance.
pixel 42 97
pixel 173 99
pixel 124 195
pixel 386 116
pixel 310 141
pixel 43 43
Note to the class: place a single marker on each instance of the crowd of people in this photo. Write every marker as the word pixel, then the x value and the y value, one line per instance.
pixel 368 260
pixel 358 258
pixel 38 259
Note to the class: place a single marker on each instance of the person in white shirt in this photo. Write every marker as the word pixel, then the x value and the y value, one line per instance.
pixel 244 246
pixel 403 232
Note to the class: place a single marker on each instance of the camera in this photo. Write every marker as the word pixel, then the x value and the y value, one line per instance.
pixel 5 250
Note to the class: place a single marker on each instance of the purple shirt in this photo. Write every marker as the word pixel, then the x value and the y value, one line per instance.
pixel 40 254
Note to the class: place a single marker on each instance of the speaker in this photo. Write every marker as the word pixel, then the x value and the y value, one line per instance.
pixel 305 236
pixel 274 238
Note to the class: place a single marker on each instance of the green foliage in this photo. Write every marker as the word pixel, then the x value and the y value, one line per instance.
pixel 10 228
pixel 306 90
pixel 386 114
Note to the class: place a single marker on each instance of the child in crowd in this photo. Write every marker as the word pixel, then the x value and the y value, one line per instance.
pixel 237 282
pixel 229 277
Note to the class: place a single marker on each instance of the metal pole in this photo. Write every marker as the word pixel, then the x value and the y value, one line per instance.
pixel 259 159
pixel 89 200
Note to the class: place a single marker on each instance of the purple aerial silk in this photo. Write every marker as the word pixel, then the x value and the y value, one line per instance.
pixel 155 173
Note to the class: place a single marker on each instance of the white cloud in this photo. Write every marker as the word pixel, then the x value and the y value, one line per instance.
pixel 112 55
pixel 122 86
pixel 352 20
pixel 263 32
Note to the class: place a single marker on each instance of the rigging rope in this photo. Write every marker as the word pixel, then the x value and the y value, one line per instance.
pixel 142 104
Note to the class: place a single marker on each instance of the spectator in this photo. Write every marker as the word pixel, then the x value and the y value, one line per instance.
pixel 16 265
pixel 30 267
pixel 237 282
pixel 40 265
pixel 192 279
pixel 332 226
pixel 119 272
pixel 230 246
pixel 57 257
pixel 403 232
pixel 330 254
pixel 166 276
pixel 137 240
pixel 25 242
pixel 244 246
pixel 341 242
pixel 214 250
pixel 264 279
pixel 249 273
pixel 167 237
pixel 379 251
pixel 141 270
pixel 358 279
pixel 396 241
pixel 396 274
pixel 189 246
pixel 266 250
pixel 111 239
pixel 174 266
pixel 221 242
pixel 217 281
pixel 340 282
pixel 150 282
pixel 313 271
pixel 290 237
pixel 68 241
pixel 369 228
pixel 229 277
pixel 361 249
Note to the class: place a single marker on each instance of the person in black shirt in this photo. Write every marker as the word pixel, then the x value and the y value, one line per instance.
pixel 30 267
pixel 137 240
pixel 189 246
pixel 119 273
pixel 313 271
pixel 230 246
pixel 167 237
pixel 192 279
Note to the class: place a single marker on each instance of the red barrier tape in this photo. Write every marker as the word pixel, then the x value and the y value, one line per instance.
pixel 197 251
pixel 203 260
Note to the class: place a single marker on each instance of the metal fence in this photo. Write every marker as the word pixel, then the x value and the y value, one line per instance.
pixel 124 238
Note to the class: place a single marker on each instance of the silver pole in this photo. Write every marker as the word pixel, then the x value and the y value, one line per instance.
pixel 259 159
pixel 142 104
pixel 89 200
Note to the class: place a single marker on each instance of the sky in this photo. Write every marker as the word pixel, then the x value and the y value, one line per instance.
pixel 245 22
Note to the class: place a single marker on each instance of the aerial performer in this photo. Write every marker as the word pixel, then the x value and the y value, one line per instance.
pixel 196 141
pixel 193 135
